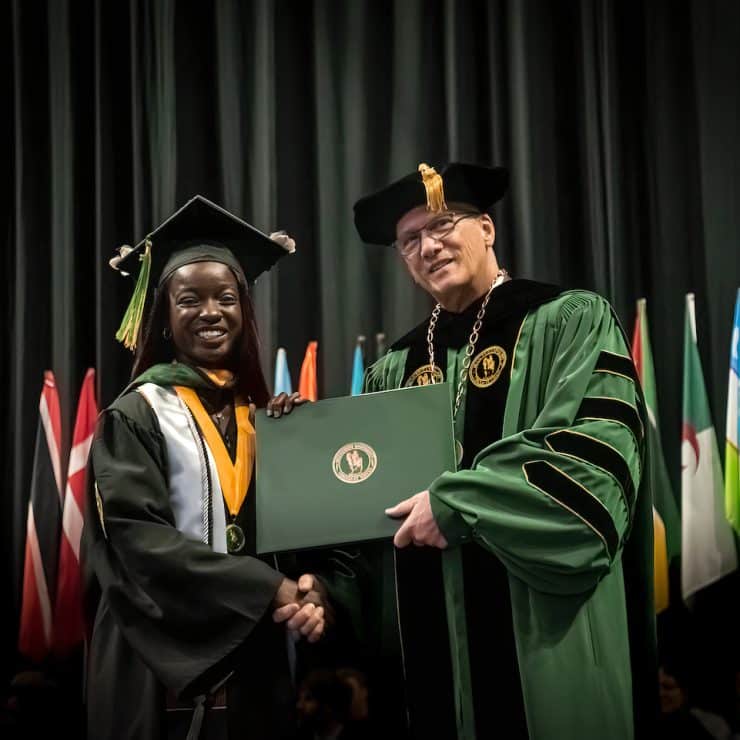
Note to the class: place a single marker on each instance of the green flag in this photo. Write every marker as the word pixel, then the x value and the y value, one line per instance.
pixel 708 544
pixel 665 500
pixel 666 520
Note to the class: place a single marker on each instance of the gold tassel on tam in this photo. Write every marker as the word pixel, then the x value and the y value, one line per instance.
pixel 128 332
pixel 434 187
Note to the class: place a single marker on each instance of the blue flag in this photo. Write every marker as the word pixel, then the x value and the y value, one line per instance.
pixel 358 372
pixel 282 374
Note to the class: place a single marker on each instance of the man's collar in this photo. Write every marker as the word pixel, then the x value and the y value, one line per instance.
pixel 453 329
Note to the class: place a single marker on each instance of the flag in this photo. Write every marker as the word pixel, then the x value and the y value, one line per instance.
pixel 732 465
pixel 283 383
pixel 358 368
pixel 68 621
pixel 666 519
pixel 708 544
pixel 379 345
pixel 660 564
pixel 42 529
pixel 308 385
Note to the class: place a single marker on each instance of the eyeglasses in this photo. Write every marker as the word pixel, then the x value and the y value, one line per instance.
pixel 438 228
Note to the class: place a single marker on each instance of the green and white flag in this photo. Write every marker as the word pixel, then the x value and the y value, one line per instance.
pixel 707 540
pixel 665 501
pixel 666 519
pixel 732 465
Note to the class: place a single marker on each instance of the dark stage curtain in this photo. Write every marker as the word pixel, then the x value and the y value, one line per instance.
pixel 618 120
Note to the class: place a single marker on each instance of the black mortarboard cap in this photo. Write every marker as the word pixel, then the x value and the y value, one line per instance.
pixel 376 215
pixel 199 231
pixel 201 222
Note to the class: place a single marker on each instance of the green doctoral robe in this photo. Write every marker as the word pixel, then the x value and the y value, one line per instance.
pixel 553 492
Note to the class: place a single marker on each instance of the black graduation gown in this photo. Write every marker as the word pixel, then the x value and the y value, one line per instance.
pixel 172 617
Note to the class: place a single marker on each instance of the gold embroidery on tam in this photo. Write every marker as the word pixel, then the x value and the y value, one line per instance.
pixel 425 375
pixel 487 366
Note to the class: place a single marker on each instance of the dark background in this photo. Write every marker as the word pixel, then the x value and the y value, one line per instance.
pixel 619 121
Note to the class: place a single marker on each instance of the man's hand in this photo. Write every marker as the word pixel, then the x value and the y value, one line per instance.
pixel 302 606
pixel 420 526
pixel 283 404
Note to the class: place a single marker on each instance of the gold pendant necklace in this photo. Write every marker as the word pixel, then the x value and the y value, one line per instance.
pixel 235 537
pixel 469 350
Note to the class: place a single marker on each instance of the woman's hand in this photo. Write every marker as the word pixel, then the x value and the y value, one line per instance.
pixel 305 613
pixel 283 404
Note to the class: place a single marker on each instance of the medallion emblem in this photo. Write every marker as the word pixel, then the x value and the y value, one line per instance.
pixel 354 462
pixel 425 375
pixel 235 538
pixel 487 366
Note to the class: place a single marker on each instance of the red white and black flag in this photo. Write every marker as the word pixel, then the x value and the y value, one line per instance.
pixel 42 530
pixel 68 619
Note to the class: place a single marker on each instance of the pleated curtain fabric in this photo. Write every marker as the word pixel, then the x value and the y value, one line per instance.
pixel 617 119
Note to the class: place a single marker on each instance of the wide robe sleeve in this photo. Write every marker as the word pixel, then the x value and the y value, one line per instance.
pixel 181 606
pixel 555 500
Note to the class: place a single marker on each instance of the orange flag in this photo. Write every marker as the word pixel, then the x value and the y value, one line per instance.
pixel 307 385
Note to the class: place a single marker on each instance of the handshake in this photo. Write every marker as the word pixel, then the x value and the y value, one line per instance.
pixel 303 606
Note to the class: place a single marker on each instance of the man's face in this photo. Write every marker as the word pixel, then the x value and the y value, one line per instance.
pixel 448 264
pixel 205 314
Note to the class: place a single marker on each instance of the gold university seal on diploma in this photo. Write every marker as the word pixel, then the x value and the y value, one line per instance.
pixel 354 462
pixel 350 456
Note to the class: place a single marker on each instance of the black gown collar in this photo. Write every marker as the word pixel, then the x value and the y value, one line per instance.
pixel 453 329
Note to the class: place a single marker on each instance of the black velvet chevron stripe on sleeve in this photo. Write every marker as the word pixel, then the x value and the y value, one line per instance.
pixel 612 409
pixel 598 453
pixel 555 483
pixel 609 362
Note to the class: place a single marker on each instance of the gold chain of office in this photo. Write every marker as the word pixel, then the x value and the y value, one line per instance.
pixel 469 350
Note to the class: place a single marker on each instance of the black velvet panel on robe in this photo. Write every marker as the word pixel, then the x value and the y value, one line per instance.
pixel 497 697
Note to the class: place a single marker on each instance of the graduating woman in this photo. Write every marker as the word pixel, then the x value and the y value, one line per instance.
pixel 191 632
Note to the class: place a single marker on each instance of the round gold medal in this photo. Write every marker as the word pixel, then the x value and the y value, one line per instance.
pixel 487 366
pixel 426 375
pixel 235 538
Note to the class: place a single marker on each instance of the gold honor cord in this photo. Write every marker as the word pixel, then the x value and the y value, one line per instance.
pixel 234 477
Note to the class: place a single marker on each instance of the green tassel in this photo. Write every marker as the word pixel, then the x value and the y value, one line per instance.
pixel 128 332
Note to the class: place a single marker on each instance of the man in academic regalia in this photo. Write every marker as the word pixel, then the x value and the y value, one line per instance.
pixel 533 560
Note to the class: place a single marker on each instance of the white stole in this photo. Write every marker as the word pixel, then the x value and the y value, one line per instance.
pixel 188 469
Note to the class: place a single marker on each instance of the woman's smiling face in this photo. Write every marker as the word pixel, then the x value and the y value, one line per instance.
pixel 205 314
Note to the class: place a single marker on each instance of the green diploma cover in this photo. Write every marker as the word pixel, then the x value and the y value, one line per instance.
pixel 326 472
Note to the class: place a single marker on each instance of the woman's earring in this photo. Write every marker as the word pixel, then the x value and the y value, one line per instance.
pixel 167 333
